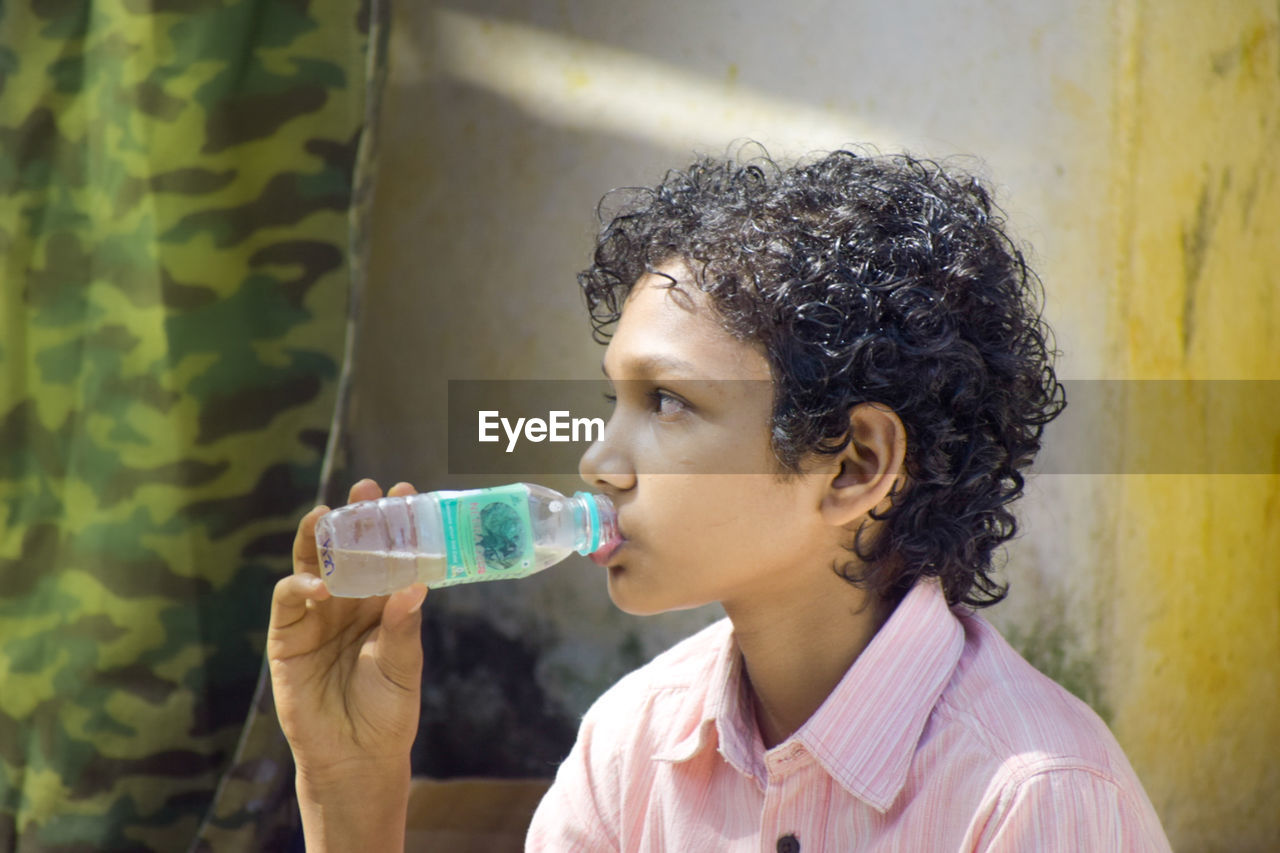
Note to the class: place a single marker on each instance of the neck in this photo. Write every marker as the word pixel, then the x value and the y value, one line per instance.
pixel 796 648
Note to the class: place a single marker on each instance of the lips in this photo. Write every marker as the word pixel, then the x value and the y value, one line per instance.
pixel 612 534
pixel 601 557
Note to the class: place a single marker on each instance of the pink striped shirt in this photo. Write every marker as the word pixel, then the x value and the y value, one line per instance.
pixel 939 737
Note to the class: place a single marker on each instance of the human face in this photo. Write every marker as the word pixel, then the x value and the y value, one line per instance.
pixel 695 533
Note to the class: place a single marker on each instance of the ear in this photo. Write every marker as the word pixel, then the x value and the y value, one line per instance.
pixel 866 470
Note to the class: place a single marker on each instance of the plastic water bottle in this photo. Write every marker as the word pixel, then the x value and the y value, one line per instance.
pixel 451 537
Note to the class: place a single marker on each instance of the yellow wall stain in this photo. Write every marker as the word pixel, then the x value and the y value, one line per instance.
pixel 1193 680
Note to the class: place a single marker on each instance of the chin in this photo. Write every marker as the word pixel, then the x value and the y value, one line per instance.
pixel 633 604
pixel 626 599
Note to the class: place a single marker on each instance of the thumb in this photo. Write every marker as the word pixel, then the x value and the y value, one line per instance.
pixel 399 649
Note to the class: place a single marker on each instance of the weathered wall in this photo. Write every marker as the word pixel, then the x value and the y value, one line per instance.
pixel 1195 627
pixel 1130 142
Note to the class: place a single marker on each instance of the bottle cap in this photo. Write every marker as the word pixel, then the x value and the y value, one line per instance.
pixel 593 513
pixel 603 519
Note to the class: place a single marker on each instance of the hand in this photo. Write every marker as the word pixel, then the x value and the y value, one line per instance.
pixel 347 672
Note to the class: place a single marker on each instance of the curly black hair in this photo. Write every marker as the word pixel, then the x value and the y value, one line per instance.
pixel 866 278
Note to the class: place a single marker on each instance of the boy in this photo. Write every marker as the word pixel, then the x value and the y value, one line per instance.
pixel 860 337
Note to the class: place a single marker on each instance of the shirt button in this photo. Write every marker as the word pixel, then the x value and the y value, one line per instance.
pixel 788 844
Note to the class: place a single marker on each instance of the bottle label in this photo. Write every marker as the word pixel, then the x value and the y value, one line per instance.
pixel 487 530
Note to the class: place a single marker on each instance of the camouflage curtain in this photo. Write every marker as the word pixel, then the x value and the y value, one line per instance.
pixel 179 181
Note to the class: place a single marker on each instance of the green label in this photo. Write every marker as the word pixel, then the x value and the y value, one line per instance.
pixel 487 530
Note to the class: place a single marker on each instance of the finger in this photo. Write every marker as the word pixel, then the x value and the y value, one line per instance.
pixel 290 597
pixel 399 650
pixel 365 490
pixel 400 490
pixel 305 560
pixel 403 605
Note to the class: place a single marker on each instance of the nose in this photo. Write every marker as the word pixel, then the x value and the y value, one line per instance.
pixel 604 466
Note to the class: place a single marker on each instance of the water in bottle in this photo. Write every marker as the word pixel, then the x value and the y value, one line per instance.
pixel 451 537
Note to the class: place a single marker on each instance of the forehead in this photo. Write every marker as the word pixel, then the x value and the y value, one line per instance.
pixel 667 329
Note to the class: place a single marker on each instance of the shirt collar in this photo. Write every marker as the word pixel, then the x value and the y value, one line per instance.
pixel 722 715
pixel 865 733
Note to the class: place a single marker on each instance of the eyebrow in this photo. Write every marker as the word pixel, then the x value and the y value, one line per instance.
pixel 650 365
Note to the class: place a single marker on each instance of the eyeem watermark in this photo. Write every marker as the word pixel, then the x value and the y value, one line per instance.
pixel 558 427
pixel 529 428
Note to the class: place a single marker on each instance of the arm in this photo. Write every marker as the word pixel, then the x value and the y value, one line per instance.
pixel 361 810
pixel 346 674
pixel 1073 809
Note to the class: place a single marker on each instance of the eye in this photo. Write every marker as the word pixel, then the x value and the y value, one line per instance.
pixel 666 404
pixel 662 403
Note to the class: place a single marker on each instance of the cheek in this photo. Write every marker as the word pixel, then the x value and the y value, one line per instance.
pixel 683 514
pixel 666 454
pixel 712 515
pixel 764 519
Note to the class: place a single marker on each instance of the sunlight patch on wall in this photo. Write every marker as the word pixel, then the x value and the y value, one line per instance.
pixel 574 83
